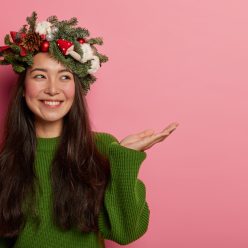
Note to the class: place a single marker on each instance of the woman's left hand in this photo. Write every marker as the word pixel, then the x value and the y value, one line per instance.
pixel 146 139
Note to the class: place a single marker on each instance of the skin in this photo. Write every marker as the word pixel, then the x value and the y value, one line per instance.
pixel 49 80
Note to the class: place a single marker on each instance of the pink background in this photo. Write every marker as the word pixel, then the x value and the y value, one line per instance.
pixel 170 60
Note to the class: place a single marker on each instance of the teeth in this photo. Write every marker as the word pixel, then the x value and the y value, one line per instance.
pixel 51 103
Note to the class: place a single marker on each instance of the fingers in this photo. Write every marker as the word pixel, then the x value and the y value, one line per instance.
pixel 150 138
pixel 151 141
pixel 169 129
pixel 165 133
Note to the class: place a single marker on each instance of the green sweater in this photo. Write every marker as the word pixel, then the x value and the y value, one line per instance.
pixel 124 215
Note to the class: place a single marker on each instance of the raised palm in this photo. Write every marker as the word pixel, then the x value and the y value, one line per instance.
pixel 147 138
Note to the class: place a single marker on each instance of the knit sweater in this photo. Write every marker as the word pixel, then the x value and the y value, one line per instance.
pixel 124 215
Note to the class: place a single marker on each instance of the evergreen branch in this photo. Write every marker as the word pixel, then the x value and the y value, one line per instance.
pixel 23 29
pixel 103 58
pixel 81 32
pixel 18 68
pixel 32 20
pixel 4 62
pixel 72 22
pixel 77 48
pixel 86 82
pixel 7 40
pixel 27 60
pixel 15 48
pixel 52 19
pixel 97 41
pixel 10 58
pixel 57 55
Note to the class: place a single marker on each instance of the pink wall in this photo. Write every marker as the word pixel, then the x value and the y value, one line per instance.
pixel 172 60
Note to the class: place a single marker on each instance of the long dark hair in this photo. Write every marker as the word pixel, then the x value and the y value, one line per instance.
pixel 79 171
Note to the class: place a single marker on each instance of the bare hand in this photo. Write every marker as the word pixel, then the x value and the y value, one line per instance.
pixel 146 139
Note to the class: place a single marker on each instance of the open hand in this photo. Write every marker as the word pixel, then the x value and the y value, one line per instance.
pixel 146 139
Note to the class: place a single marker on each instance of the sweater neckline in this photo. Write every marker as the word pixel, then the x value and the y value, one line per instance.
pixel 47 144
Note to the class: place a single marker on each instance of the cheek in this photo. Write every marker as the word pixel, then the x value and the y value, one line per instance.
pixel 32 90
pixel 69 90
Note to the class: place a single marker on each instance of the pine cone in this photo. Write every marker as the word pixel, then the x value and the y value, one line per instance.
pixel 32 42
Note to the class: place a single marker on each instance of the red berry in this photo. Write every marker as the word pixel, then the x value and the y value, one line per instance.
pixel 81 40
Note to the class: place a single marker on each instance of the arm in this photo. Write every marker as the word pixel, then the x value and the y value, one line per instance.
pixel 125 214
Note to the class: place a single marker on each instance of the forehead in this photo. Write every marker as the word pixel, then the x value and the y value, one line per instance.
pixel 44 60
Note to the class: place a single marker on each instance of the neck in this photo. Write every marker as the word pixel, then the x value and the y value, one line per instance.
pixel 48 129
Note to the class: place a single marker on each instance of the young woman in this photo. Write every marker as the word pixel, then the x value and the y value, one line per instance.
pixel 61 184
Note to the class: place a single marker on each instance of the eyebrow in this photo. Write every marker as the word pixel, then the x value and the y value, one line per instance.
pixel 45 70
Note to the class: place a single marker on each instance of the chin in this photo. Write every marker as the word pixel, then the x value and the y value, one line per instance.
pixel 49 119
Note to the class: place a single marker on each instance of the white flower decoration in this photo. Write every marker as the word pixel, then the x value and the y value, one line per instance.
pixel 43 28
pixel 88 53
pixel 95 64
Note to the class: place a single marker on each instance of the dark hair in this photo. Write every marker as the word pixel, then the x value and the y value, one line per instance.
pixel 79 171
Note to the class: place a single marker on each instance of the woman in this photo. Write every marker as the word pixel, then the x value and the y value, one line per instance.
pixel 61 184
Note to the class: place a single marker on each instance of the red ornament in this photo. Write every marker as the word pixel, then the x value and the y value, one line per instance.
pixel 45 46
pixel 81 40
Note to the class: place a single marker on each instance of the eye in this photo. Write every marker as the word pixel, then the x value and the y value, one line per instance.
pixel 66 77
pixel 39 76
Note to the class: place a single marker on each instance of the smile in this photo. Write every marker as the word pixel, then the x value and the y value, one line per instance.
pixel 52 104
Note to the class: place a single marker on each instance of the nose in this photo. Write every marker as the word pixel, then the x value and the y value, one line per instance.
pixel 52 88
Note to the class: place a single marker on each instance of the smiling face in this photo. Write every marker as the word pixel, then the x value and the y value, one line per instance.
pixel 49 90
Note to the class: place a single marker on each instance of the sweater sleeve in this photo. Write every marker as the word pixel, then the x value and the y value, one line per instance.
pixel 125 214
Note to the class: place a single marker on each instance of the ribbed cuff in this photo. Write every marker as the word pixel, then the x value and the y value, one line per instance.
pixel 126 161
